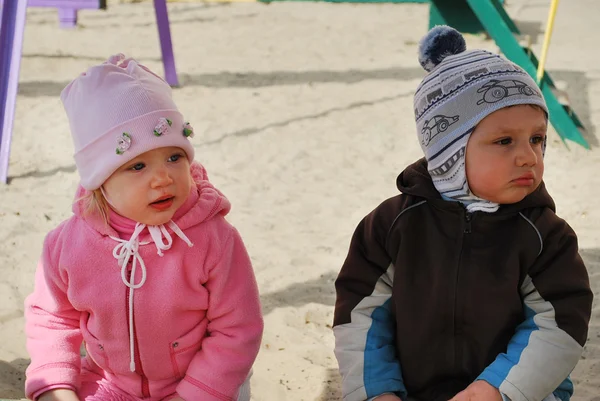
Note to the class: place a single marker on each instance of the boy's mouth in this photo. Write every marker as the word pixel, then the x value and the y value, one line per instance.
pixel 526 179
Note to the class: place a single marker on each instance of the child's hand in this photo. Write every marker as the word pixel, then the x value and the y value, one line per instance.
pixel 387 397
pixel 479 390
pixel 60 394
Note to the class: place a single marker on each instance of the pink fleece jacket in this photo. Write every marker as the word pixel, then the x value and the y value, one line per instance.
pixel 197 318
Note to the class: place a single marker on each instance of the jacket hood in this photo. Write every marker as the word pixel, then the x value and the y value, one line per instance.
pixel 210 202
pixel 416 181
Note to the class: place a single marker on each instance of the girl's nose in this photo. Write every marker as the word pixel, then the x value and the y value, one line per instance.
pixel 161 178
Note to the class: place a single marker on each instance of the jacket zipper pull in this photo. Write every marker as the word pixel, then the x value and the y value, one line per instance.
pixel 468 217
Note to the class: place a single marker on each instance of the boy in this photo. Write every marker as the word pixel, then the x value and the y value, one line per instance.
pixel 466 286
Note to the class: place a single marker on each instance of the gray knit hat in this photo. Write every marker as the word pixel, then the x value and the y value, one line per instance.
pixel 461 89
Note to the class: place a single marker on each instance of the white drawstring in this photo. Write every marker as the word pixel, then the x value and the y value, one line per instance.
pixel 124 250
pixel 179 233
pixel 157 233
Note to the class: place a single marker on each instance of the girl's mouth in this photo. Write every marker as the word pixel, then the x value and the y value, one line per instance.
pixel 163 203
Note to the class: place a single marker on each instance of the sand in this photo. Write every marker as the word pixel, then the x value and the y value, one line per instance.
pixel 307 116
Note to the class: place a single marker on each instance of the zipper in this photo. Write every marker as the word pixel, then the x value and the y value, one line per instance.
pixel 456 330
pixel 136 353
pixel 468 218
pixel 454 319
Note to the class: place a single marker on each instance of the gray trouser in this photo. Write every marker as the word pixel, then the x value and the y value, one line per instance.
pixel 244 393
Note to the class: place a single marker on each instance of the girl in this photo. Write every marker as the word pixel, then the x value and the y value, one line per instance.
pixel 147 273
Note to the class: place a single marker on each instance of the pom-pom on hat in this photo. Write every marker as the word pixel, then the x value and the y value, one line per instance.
pixel 461 88
pixel 118 110
pixel 441 42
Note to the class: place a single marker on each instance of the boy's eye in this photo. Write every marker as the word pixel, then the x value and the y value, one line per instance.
pixel 138 166
pixel 504 141
pixel 536 140
pixel 175 157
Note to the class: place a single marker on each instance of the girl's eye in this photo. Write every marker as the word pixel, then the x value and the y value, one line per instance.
pixel 175 157
pixel 536 140
pixel 138 166
pixel 504 141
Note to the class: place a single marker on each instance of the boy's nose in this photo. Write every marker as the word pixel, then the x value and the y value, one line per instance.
pixel 526 155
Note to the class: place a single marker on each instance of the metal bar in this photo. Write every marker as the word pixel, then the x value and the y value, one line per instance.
pixel 67 17
pixel 166 46
pixel 547 36
pixel 74 4
pixel 12 26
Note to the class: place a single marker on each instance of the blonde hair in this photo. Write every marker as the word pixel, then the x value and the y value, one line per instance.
pixel 94 202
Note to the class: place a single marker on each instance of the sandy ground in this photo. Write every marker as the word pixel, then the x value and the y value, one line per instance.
pixel 306 113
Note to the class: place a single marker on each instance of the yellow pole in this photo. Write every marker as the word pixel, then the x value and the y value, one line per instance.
pixel 549 26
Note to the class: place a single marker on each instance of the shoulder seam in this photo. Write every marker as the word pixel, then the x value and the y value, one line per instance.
pixel 401 213
pixel 536 231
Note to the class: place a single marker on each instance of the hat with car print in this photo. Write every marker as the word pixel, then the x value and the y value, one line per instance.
pixel 461 88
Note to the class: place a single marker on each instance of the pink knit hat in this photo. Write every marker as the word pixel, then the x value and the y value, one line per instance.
pixel 118 110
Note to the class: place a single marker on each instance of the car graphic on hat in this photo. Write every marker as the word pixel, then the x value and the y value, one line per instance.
pixel 434 126
pixel 496 90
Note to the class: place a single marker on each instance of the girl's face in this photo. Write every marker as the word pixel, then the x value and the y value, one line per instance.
pixel 150 188
pixel 505 154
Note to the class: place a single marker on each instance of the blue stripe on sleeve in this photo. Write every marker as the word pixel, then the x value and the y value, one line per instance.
pixel 382 372
pixel 565 390
pixel 497 372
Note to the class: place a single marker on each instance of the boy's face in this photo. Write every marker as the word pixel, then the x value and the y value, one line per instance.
pixel 150 188
pixel 504 160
